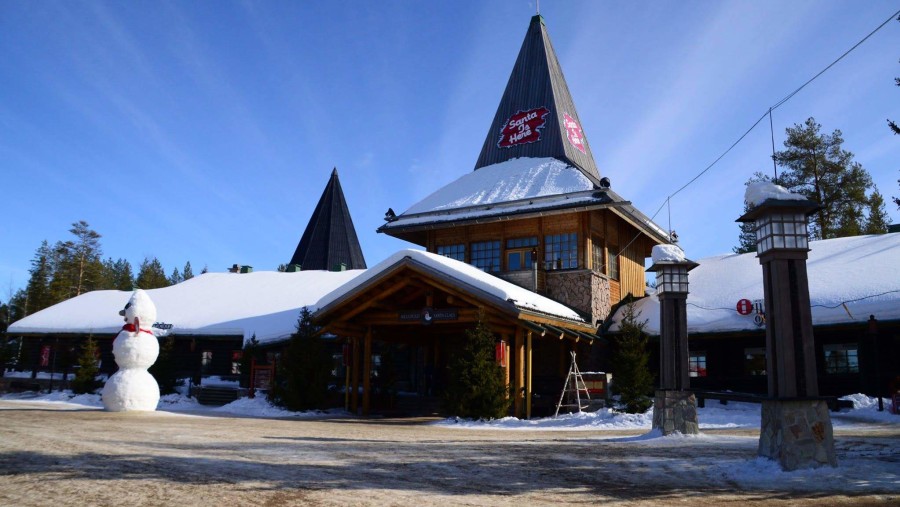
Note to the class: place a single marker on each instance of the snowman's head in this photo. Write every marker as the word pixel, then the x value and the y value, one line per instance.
pixel 140 310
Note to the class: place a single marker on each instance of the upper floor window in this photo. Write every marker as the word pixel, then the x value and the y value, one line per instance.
pixel 457 252
pixel 485 256
pixel 597 255
pixel 613 265
pixel 518 253
pixel 843 358
pixel 561 251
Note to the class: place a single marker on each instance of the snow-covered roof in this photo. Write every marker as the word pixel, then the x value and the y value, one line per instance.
pixel 859 272
pixel 465 273
pixel 516 186
pixel 265 303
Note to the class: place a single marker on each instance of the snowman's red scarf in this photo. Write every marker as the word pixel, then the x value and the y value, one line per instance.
pixel 131 329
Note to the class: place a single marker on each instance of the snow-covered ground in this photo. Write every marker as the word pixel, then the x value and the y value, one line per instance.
pixel 713 416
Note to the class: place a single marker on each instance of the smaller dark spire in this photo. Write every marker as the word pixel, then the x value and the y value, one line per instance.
pixel 330 240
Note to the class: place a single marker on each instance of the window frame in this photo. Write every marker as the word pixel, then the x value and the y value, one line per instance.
pixel 697 364
pixel 493 258
pixel 453 251
pixel 523 247
pixel 561 251
pixel 849 363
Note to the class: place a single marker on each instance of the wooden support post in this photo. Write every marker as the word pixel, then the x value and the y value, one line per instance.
pixel 367 372
pixel 519 374
pixel 505 343
pixel 354 395
pixel 528 387
pixel 347 366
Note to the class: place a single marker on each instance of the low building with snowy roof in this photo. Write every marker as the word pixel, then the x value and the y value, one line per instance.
pixel 854 289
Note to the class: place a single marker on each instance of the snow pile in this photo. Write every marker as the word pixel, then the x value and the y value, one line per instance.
pixel 264 302
pixel 759 192
pixel 859 271
pixel 465 273
pixel 512 180
pixel 667 253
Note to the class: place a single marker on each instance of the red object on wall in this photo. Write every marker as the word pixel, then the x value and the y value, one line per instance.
pixel 523 127
pixel 45 355
pixel 573 132
pixel 744 307
pixel 500 353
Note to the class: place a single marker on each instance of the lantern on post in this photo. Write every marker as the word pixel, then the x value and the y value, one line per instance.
pixel 671 269
pixel 795 427
pixel 674 409
pixel 782 246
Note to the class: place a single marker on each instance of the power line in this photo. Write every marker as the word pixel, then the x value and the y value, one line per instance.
pixel 767 113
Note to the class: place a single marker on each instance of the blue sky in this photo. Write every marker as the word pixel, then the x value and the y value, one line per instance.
pixel 206 131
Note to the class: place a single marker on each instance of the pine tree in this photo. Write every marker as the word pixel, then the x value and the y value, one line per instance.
pixel 204 270
pixel 175 278
pixel 632 379
pixel 819 168
pixel 187 273
pixel 251 351
pixel 878 220
pixel 151 275
pixel 86 376
pixel 747 237
pixel 164 370
pixel 117 274
pixel 37 293
pixel 478 386
pixel 78 266
pixel 304 369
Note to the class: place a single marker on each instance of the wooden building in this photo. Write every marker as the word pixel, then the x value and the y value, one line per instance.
pixel 534 214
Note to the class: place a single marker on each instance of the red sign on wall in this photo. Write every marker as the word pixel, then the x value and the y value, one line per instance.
pixel 500 353
pixel 744 307
pixel 573 132
pixel 45 355
pixel 523 127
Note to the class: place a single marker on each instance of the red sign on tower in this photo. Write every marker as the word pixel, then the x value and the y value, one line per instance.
pixel 573 132
pixel 523 127
pixel 744 307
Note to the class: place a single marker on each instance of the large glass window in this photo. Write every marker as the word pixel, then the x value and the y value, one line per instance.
pixel 697 364
pixel 613 268
pixel 518 253
pixel 843 358
pixel 755 361
pixel 486 256
pixel 457 252
pixel 561 251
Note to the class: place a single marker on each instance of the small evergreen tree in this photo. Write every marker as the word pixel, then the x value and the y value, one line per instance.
pixel 477 388
pixel 251 351
pixel 175 278
pixel 632 379
pixel 878 219
pixel 164 370
pixel 86 377
pixel 151 275
pixel 303 370
pixel 187 273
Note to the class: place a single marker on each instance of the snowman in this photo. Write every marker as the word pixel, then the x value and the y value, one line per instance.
pixel 135 349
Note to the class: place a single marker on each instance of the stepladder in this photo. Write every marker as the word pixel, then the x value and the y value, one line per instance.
pixel 575 396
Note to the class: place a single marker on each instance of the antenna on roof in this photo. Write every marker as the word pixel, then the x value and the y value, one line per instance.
pixel 538 8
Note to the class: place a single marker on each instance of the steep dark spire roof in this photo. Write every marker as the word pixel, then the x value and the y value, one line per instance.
pixel 329 238
pixel 538 96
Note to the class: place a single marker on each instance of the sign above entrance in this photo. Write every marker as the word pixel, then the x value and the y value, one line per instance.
pixel 523 127
pixel 428 315
pixel 573 132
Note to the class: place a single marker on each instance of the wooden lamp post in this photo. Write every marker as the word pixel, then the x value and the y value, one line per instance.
pixel 674 409
pixel 796 426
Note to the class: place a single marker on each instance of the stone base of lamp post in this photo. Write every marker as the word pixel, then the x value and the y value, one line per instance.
pixel 675 411
pixel 797 433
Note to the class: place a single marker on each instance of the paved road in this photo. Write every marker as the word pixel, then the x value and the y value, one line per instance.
pixel 54 456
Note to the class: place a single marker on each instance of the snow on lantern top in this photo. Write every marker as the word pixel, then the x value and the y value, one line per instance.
pixel 667 253
pixel 759 192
